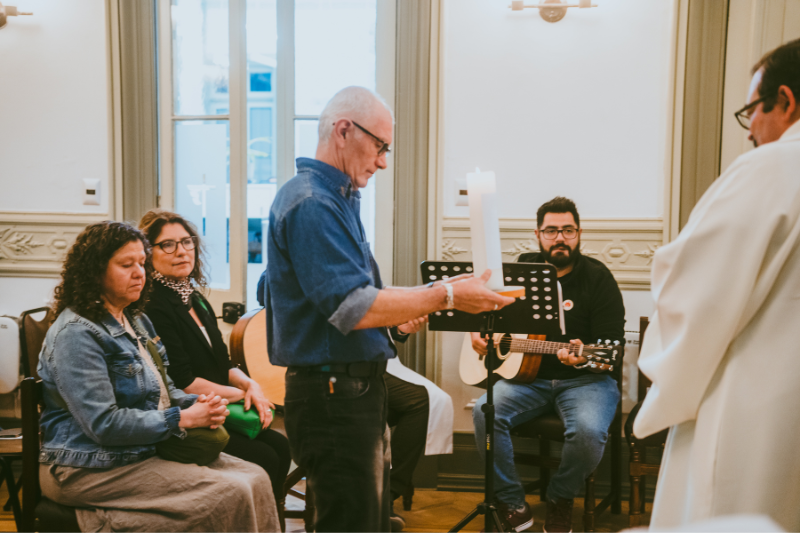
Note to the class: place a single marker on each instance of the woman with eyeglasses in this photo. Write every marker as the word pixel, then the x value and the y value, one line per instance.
pixel 199 360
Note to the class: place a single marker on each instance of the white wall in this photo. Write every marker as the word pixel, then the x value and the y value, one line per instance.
pixel 575 108
pixel 54 121
pixel 54 116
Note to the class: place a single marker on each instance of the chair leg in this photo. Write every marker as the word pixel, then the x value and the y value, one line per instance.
pixel 634 503
pixel 589 504
pixel 544 472
pixel 616 468
pixel 643 484
pixel 12 493
pixel 408 498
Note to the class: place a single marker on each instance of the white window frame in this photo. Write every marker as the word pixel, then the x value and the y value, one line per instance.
pixel 285 117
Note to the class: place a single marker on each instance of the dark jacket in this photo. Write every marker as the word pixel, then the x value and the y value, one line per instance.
pixel 190 355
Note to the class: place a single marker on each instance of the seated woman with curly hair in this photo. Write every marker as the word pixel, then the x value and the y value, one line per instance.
pixel 107 407
pixel 188 327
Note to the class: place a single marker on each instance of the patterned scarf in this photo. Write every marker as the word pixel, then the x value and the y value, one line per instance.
pixel 184 287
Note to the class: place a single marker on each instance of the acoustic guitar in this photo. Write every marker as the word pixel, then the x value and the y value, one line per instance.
pixel 521 356
pixel 248 346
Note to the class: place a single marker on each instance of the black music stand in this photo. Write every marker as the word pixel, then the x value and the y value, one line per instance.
pixel 538 311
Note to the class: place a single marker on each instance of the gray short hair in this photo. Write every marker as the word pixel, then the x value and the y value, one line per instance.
pixel 351 102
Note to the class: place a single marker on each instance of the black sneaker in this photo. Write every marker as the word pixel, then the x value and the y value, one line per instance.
pixel 517 519
pixel 396 522
pixel 559 516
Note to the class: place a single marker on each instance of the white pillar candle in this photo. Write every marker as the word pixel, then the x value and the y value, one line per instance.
pixel 485 227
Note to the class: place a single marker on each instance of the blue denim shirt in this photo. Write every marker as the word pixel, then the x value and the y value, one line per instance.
pixel 321 276
pixel 111 396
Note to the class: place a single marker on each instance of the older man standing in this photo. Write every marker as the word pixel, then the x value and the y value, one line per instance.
pixel 327 313
pixel 722 346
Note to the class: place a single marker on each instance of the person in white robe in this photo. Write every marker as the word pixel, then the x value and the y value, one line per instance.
pixel 720 349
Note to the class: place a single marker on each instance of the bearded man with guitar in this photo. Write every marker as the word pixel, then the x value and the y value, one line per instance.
pixel 584 397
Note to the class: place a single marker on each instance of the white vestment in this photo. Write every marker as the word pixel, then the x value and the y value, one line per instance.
pixel 721 347
pixel 440 409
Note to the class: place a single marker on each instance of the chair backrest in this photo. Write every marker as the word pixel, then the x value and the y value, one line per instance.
pixel 31 493
pixel 31 336
pixel 644 381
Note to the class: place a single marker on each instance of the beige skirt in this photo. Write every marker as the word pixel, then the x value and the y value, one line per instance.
pixel 157 495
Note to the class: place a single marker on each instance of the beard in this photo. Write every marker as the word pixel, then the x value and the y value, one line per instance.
pixel 566 256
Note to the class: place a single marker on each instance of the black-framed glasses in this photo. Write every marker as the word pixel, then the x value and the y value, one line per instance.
pixel 384 149
pixel 552 233
pixel 170 247
pixel 744 114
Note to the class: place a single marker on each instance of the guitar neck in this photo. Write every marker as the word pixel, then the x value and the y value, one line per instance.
pixel 534 346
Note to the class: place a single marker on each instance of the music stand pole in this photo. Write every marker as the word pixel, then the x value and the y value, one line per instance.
pixel 487 508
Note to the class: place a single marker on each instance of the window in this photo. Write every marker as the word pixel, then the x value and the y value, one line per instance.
pixel 238 105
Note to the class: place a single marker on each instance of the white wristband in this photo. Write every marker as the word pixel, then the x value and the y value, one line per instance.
pixel 449 289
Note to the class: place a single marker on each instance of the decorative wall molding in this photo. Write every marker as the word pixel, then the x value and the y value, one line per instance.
pixel 625 245
pixel 35 244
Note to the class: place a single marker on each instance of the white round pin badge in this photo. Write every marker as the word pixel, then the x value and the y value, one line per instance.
pixel 568 305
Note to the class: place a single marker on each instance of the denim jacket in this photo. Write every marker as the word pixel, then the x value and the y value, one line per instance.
pixel 321 276
pixel 101 398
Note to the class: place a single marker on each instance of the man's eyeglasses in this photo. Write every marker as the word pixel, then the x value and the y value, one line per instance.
pixel 169 246
pixel 744 114
pixel 384 149
pixel 552 233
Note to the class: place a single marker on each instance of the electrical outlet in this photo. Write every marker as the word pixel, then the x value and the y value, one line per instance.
pixel 461 192
pixel 91 191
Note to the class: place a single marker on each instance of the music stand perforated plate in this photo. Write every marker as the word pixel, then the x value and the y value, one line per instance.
pixel 539 311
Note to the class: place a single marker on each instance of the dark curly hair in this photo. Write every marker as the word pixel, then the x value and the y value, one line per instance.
pixel 154 221
pixel 81 286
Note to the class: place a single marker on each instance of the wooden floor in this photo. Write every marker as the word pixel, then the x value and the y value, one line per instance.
pixel 432 511
pixel 440 511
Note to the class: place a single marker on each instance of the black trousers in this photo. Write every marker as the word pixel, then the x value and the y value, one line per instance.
pixel 338 433
pixel 269 450
pixel 408 418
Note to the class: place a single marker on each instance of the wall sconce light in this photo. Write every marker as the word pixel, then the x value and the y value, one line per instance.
pixel 551 10
pixel 9 11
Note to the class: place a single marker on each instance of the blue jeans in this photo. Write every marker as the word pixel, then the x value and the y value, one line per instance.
pixel 339 435
pixel 586 405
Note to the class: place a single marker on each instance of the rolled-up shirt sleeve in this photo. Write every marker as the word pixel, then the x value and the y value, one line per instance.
pixel 331 266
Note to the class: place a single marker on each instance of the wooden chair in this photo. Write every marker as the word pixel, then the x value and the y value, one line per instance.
pixel 31 337
pixel 549 428
pixel 639 468
pixel 38 512
pixel 307 514
pixel 10 451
